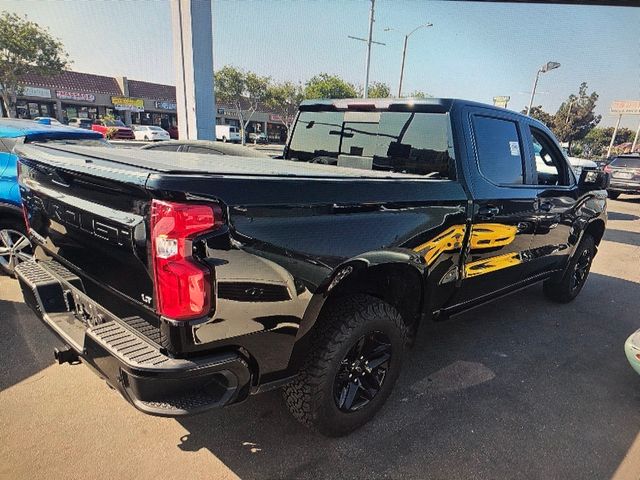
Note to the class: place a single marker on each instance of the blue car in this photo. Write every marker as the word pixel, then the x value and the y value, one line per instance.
pixel 14 244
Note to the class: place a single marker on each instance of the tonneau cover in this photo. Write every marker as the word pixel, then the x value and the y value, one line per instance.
pixel 133 161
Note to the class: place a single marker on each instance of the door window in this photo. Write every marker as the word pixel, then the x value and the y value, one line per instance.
pixel 550 164
pixel 499 153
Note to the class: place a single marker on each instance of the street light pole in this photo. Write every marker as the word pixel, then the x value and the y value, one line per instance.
pixel 533 92
pixel 544 69
pixel 404 54
pixel 404 51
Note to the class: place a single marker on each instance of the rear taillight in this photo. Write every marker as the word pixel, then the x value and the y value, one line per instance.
pixel 182 284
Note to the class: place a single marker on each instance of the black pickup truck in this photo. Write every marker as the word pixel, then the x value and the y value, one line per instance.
pixel 190 282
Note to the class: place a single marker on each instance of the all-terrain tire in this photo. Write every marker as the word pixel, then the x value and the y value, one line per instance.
pixel 568 287
pixel 311 397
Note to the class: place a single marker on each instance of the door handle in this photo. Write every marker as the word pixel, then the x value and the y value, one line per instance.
pixel 488 211
pixel 546 206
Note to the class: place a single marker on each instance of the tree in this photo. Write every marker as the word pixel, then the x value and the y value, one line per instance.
pixel 379 90
pixel 244 90
pixel 328 86
pixel 25 49
pixel 575 117
pixel 596 142
pixel 284 99
pixel 419 94
pixel 539 114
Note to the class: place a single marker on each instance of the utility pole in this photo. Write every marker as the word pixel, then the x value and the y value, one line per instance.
pixel 369 40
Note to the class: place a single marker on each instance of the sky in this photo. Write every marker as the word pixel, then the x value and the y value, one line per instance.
pixel 475 50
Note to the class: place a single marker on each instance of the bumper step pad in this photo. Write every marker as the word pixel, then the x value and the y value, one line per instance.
pixel 144 373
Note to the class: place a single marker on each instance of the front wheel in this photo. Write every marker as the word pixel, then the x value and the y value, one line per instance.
pixel 15 247
pixel 354 362
pixel 575 276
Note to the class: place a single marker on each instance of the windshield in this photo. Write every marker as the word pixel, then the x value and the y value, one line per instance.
pixel 114 123
pixel 401 142
pixel 626 162
pixel 156 129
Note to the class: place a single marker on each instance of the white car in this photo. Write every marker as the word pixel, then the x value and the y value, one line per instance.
pixel 577 164
pixel 149 133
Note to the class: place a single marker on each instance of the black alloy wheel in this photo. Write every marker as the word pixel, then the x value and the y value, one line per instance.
pixel 581 269
pixel 362 372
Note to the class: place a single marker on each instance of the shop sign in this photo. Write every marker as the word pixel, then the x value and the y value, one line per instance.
pixel 77 96
pixel 627 107
pixel 275 118
pixel 501 101
pixel 164 105
pixel 36 92
pixel 126 103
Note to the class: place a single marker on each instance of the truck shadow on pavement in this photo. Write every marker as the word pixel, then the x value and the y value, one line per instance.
pixel 25 343
pixel 519 388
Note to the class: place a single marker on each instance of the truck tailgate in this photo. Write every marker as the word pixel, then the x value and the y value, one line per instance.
pixel 90 216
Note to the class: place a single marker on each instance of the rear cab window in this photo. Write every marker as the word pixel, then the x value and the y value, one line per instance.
pixel 413 143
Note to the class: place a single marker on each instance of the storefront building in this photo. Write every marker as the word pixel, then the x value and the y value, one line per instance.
pixel 74 94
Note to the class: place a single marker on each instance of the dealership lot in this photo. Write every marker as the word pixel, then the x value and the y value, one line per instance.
pixel 520 388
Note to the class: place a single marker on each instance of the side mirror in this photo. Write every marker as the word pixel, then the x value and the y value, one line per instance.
pixel 591 179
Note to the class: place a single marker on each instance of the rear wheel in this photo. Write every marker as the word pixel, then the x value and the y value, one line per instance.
pixel 575 276
pixel 15 246
pixel 354 363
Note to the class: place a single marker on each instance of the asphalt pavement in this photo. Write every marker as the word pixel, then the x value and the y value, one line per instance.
pixel 518 389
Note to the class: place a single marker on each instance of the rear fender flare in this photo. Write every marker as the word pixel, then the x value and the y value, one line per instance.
pixel 366 274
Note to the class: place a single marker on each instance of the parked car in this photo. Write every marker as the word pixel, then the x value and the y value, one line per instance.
pixel 258 138
pixel 14 244
pixel 80 123
pixel 632 350
pixel 625 175
pixel 206 147
pixel 47 120
pixel 227 133
pixel 173 132
pixel 122 132
pixel 312 272
pixel 148 133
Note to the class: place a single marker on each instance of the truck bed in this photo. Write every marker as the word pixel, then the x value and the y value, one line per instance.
pixel 136 162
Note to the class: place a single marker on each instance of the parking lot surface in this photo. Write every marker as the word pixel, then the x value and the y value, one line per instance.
pixel 520 388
